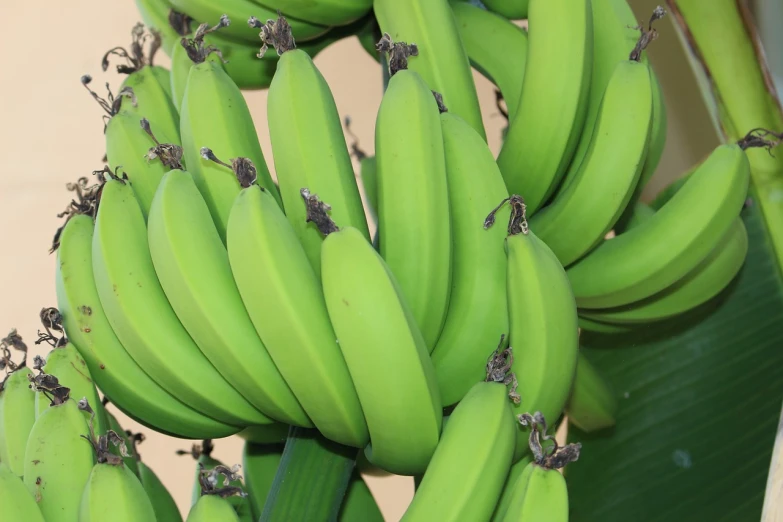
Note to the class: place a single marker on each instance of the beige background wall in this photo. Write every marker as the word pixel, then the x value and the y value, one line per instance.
pixel 51 132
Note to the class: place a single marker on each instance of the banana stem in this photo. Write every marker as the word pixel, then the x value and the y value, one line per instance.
pixel 312 478
pixel 726 55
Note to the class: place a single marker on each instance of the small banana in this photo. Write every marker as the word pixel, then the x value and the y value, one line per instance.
pixel 508 487
pixel 477 314
pixel 283 296
pixel 142 318
pixel 593 404
pixel 193 268
pixel 214 478
pixel 439 55
pixel 58 458
pixel 384 350
pixel 542 323
pixel 308 143
pixel 214 114
pixel 511 9
pixel 466 474
pixel 18 504
pixel 414 224
pixel 212 508
pixel 17 416
pixel 322 12
pixel 659 252
pixel 496 48
pixel 581 215
pixel 541 139
pixel 115 372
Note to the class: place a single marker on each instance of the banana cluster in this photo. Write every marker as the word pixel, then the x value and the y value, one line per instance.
pixel 430 319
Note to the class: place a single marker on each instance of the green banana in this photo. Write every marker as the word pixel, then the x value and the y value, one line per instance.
pixel 131 461
pixel 581 215
pixel 603 328
pixel 539 494
pixel 385 353
pixel 193 268
pixel 71 370
pixel 141 316
pixel 477 314
pixel 541 139
pixel 207 466
pixel 260 463
pixel 508 487
pixel 214 114
pixel 163 504
pixel 115 372
pixel 542 324
pixel 652 256
pixel 592 405
pixel 705 281
pixel 58 460
pixel 113 492
pixel 180 70
pixel 465 476
pixel 511 9
pixel 322 12
pixel 439 56
pixel 155 15
pixel 16 500
pixel 413 206
pixel 491 41
pixel 238 11
pixel 308 146
pixel 271 434
pixel 212 508
pixel 17 416
pixel 368 171
pixel 285 301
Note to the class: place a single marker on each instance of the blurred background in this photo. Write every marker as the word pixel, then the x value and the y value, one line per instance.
pixel 52 133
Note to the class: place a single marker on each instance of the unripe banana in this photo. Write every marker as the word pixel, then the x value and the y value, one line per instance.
pixel 492 42
pixel 477 314
pixel 539 494
pixel 141 316
pixel 285 301
pixel 508 487
pixel 581 215
pixel 270 434
pixel 208 467
pixel 649 258
pixel 65 363
pixel 465 476
pixel 212 508
pixel 413 200
pixel 309 146
pixel 603 328
pixel 511 9
pixel 323 12
pixel 163 504
pixel 593 404
pixel 113 492
pixel 193 268
pixel 214 114
pixel 553 103
pixel 385 353
pixel 440 57
pixel 58 459
pixel 18 504
pixel 115 372
pixel 17 416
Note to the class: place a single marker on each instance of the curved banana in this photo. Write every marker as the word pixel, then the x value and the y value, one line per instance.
pixel 508 487
pixel 239 11
pixel 465 476
pixel 17 416
pixel 541 139
pixel 163 504
pixel 581 215
pixel 155 15
pixel 270 434
pixel 652 256
pixel 309 149
pixel 214 114
pixel 602 328
pixel 283 296
pixel 413 200
pixel 115 372
pixel 708 279
pixel 440 59
pixel 496 48
pixel 113 492
pixel 592 405
pixel 322 12
pixel 477 314
pixel 543 327
pixel 17 502
pixel 385 353
pixel 210 508
pixel 180 70
pixel 193 268
pixel 58 460
pixel 71 371
pixel 511 9
pixel 141 316
pixel 260 463
pixel 539 494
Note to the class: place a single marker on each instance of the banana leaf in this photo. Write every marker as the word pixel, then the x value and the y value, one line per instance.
pixel 700 395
